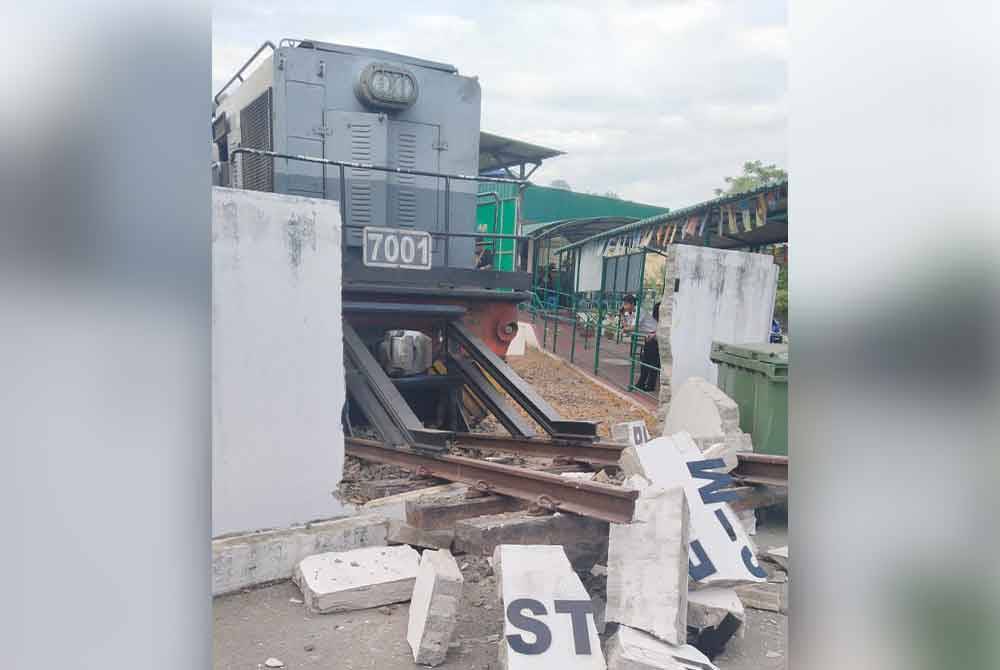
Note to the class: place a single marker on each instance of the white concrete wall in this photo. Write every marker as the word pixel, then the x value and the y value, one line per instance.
pixel 277 360
pixel 722 295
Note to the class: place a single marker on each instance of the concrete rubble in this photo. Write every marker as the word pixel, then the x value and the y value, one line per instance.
pixel 548 622
pixel 357 579
pixel 770 596
pixel 394 506
pixel 584 539
pixel 712 419
pixel 436 514
pixel 778 556
pixel 714 616
pixel 437 593
pixel 721 553
pixel 648 566
pixel 630 649
pixel 252 559
pixel 403 533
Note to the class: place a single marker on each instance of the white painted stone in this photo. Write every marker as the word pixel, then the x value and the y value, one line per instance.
pixel 702 410
pixel 723 451
pixel 778 555
pixel 630 432
pixel 664 461
pixel 250 559
pixel 434 607
pixel 543 573
pixel 274 663
pixel 630 649
pixel 277 360
pixel 394 506
pixel 708 607
pixel 582 476
pixel 648 566
pixel 524 338
pixel 357 579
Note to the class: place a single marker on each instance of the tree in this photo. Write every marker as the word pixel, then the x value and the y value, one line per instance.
pixel 561 183
pixel 755 175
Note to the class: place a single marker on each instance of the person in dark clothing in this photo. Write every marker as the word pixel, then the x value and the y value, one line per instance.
pixel 649 373
pixel 485 258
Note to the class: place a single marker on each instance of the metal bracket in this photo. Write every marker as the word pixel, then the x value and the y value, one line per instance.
pixel 440 145
pixel 325 131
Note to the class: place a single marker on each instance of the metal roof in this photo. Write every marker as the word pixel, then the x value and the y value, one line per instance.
pixel 497 152
pixel 775 231
pixel 574 230
pixel 372 53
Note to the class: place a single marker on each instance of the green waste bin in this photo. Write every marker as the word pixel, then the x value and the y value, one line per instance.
pixel 756 377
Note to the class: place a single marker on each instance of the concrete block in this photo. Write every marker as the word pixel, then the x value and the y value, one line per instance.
pixel 708 607
pixel 630 432
pixel 648 566
pixel 434 515
pixel 702 410
pixel 630 649
pixel 538 588
pixel 394 506
pixel 721 553
pixel 779 556
pixel 584 539
pixel 770 597
pixel 251 559
pixel 524 338
pixel 434 607
pixel 357 579
pixel 402 533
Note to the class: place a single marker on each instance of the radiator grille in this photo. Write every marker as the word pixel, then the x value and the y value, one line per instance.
pixel 256 132
pixel 361 186
pixel 407 158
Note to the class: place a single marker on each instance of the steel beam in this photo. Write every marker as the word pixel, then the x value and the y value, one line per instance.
pixel 598 453
pixel 766 469
pixel 549 491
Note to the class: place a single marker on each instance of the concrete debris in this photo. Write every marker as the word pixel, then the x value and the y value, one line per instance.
pixel 433 607
pixel 251 559
pixel 402 533
pixel 549 621
pixel 630 649
pixel 599 571
pixel 585 539
pixel 721 553
pixel 274 663
pixel 778 556
pixel 723 451
pixel 630 432
pixel 394 506
pixel 715 615
pixel 357 579
pixel 769 597
pixel 701 409
pixel 648 566
pixel 524 338
pixel 587 476
pixel 436 514
pixel 748 518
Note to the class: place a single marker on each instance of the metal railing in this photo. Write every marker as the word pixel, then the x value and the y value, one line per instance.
pixel 343 166
pixel 592 322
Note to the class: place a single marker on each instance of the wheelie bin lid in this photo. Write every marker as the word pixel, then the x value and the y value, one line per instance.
pixel 771 359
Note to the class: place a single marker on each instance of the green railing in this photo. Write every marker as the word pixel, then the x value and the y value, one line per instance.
pixel 588 329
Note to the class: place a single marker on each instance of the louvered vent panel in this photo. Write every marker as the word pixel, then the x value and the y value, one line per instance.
pixel 361 187
pixel 257 133
pixel 406 154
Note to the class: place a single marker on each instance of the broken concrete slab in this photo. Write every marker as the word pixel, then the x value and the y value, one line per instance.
pixel 524 338
pixel 436 514
pixel 394 506
pixel 630 432
pixel 770 597
pixel 721 552
pixel 701 409
pixel 585 539
pixel 778 556
pixel 402 533
pixel 357 579
pixel 630 649
pixel 648 566
pixel 252 559
pixel 548 619
pixel 437 593
pixel 708 607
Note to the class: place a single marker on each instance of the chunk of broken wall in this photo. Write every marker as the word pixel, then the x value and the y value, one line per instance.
pixel 711 295
pixel 277 361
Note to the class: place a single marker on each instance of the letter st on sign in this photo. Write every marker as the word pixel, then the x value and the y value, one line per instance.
pixel 577 611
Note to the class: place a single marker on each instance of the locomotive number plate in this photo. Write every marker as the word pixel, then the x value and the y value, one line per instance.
pixel 395 248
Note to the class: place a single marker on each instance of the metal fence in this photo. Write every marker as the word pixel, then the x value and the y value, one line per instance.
pixel 589 329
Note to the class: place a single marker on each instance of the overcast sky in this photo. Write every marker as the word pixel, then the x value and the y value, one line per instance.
pixel 657 100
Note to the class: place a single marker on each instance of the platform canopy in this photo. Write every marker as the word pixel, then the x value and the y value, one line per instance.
pixel 498 153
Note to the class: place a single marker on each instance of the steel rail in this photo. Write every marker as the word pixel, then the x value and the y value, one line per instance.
pixel 765 469
pixel 598 453
pixel 549 491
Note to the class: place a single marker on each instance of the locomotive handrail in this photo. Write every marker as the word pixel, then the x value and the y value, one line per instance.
pixel 239 73
pixel 342 165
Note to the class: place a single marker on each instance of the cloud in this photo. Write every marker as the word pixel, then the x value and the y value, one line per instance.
pixel 657 100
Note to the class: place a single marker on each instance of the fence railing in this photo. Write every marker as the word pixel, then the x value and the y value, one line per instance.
pixel 591 329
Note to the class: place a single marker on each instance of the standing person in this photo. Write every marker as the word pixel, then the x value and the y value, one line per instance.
pixel 649 374
pixel 626 313
pixel 485 259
